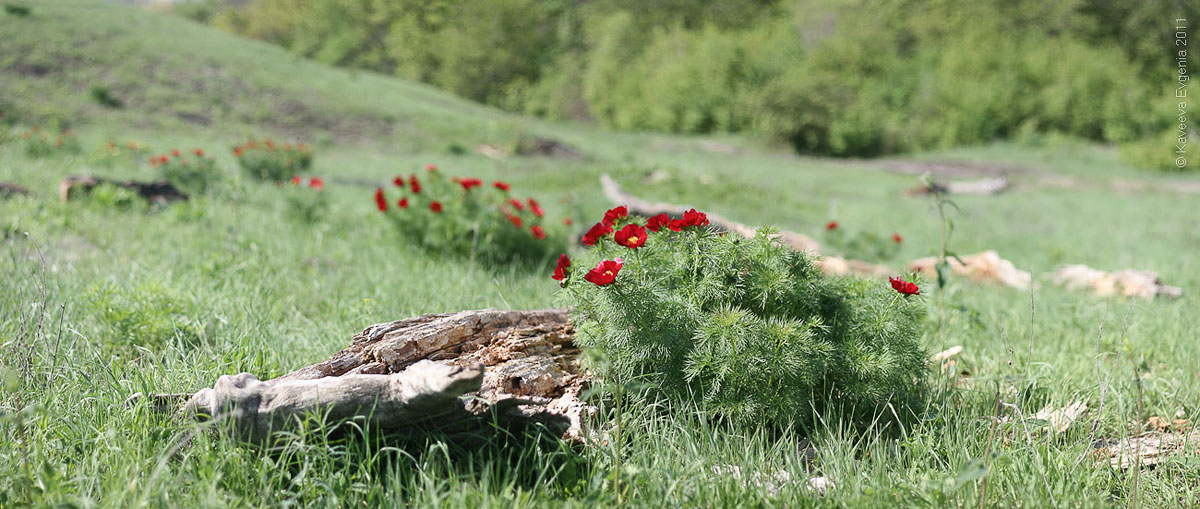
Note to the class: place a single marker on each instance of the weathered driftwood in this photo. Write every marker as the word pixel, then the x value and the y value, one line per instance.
pixel 433 369
pixel 984 186
pixel 153 192
pixel 613 191
pixel 984 267
pixel 1127 283
pixel 12 189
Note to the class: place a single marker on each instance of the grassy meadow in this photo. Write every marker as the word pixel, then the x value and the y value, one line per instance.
pixel 114 301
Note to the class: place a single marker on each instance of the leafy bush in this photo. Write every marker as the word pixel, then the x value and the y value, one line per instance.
pixel 190 172
pixel 267 161
pixel 39 143
pixel 109 197
pixel 305 201
pixel 103 96
pixel 466 217
pixel 114 153
pixel 751 330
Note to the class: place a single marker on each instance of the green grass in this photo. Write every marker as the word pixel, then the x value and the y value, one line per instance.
pixel 167 300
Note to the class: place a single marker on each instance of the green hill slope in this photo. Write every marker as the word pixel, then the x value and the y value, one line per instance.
pixel 172 74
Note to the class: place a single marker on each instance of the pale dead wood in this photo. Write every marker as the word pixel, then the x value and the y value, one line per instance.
pixel 1128 283
pixel 984 186
pixel 986 266
pixel 439 368
pixel 153 192
pixel 12 189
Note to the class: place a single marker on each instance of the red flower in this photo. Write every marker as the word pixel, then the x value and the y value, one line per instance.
pixel 567 221
pixel 403 203
pixel 596 232
pixel 514 219
pixel 897 238
pixel 538 232
pixel 831 226
pixel 467 184
pixel 560 271
pixel 690 218
pixel 415 184
pixel 237 151
pixel 398 181
pixel 657 222
pixel 296 180
pixel 316 183
pixel 431 167
pixel 163 160
pixel 380 200
pixel 605 272
pixel 435 206
pixel 904 287
pixel 199 152
pixel 516 204
pixel 176 152
pixel 614 214
pixel 503 186
pixel 154 161
pixel 536 208
pixel 631 236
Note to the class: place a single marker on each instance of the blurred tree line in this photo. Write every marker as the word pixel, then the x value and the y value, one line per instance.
pixel 833 77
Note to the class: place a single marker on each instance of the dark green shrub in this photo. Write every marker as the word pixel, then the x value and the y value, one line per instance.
pixel 103 96
pixel 268 161
pixel 463 216
pixel 17 10
pixel 304 199
pixel 190 172
pixel 752 331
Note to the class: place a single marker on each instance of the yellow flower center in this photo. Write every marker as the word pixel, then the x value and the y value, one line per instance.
pixel 633 240
pixel 608 273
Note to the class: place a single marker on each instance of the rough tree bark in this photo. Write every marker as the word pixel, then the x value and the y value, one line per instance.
pixel 437 369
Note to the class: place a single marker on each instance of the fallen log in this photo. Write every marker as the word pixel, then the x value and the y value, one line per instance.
pixel 983 267
pixel 793 240
pixel 154 192
pixel 1127 283
pixel 985 186
pixel 436 369
pixel 12 189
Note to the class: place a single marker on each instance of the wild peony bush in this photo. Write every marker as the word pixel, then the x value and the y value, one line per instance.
pixel 749 329
pixel 465 216
pixel 862 245
pixel 39 143
pixel 190 172
pixel 268 161
pixel 305 199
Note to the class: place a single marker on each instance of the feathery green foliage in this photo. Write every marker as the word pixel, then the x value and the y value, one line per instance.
pixel 751 329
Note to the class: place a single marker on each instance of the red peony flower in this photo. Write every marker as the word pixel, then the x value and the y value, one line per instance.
pixel 631 236
pixel 163 160
pixel 536 208
pixel 237 151
pixel 514 219
pixel 153 161
pixel 605 272
pixel 657 222
pixel 693 218
pixel 414 184
pixel 316 183
pixel 431 167
pixel 175 152
pixel 904 287
pixel 503 186
pixel 467 184
pixel 403 203
pixel 516 204
pixel 296 180
pixel 435 206
pixel 199 152
pixel 567 221
pixel 380 200
pixel 614 214
pixel 596 232
pixel 538 232
pixel 831 226
pixel 398 181
pixel 897 238
pixel 560 271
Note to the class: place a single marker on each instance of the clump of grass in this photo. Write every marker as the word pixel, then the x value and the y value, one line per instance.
pixel 146 315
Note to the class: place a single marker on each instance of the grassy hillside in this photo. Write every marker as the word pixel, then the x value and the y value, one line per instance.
pixel 165 300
